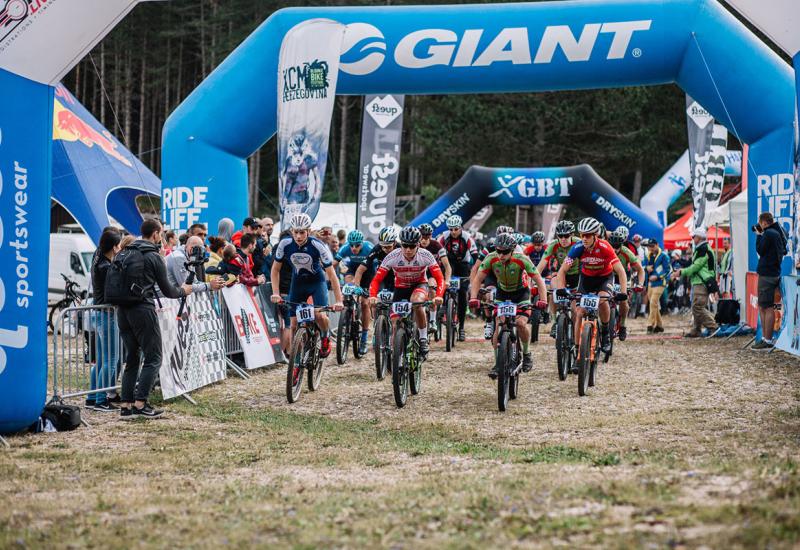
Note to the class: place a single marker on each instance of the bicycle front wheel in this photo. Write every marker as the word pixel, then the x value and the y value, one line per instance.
pixel 563 352
pixel 504 366
pixel 415 368
pixel 297 365
pixel 585 357
pixel 400 368
pixel 450 326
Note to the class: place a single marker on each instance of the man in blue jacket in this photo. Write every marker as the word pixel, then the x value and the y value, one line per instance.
pixel 771 248
pixel 658 268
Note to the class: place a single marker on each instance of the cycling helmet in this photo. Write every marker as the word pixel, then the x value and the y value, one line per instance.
pixel 589 225
pixel 537 237
pixel 636 237
pixel 622 231
pixel 387 236
pixel 300 221
pixel 519 238
pixel 615 239
pixel 425 229
pixel 454 221
pixel 490 244
pixel 505 242
pixel 603 233
pixel 504 229
pixel 409 235
pixel 355 237
pixel 565 228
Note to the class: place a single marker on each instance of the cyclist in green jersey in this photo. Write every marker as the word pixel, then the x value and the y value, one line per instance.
pixel 515 274
pixel 629 261
pixel 554 256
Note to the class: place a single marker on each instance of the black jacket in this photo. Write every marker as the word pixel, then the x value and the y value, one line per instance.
pixel 770 246
pixel 155 273
pixel 100 267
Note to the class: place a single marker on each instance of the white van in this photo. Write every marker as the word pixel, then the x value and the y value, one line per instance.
pixel 70 254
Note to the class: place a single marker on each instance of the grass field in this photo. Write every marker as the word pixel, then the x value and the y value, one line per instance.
pixel 682 443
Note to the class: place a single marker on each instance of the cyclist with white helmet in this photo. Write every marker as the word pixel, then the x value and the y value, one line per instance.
pixel 411 266
pixel 351 256
pixel 461 252
pixel 598 264
pixel 630 262
pixel 311 262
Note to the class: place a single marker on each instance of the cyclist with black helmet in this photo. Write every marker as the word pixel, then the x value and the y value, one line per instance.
pixel 433 246
pixel 410 265
pixel 598 265
pixel 554 255
pixel 461 252
pixel 515 275
pixel 630 262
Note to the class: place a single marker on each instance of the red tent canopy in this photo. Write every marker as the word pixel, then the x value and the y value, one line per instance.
pixel 676 235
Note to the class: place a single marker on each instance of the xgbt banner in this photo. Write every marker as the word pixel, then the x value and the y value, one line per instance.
pixel 707 147
pixel 251 327
pixel 307 72
pixel 381 137
pixel 193 347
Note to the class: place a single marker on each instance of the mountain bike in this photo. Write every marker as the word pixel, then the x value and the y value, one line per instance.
pixel 508 360
pixel 72 297
pixel 304 352
pixel 565 339
pixel 538 316
pixel 349 329
pixel 406 361
pixel 382 331
pixel 449 317
pixel 635 300
pixel 589 333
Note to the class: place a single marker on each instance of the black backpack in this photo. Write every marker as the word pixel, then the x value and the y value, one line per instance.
pixel 65 418
pixel 125 281
pixel 727 312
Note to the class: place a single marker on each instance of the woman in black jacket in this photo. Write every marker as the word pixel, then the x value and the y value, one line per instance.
pixel 104 373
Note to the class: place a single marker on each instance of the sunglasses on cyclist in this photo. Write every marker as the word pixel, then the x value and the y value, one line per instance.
pixel 587 235
pixel 406 245
pixel 503 252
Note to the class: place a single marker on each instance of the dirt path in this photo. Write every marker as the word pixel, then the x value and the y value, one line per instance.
pixel 681 443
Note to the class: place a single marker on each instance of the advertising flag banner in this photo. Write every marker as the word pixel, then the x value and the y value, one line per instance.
pixel 477 221
pixel 193 347
pixel 550 218
pixel 707 148
pixel 381 137
pixel 251 327
pixel 789 339
pixel 307 72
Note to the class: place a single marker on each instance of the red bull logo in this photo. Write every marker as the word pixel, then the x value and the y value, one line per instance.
pixel 68 126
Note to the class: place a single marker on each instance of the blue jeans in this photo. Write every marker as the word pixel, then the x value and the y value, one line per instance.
pixel 104 373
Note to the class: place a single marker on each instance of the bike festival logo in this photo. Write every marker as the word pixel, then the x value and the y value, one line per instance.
pixel 306 81
pixel 431 47
pixel 384 110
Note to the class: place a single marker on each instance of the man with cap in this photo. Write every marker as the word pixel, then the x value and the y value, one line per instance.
pixel 700 272
pixel 658 269
pixel 249 225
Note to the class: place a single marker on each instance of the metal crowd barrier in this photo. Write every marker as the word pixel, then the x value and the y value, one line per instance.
pixel 232 343
pixel 87 351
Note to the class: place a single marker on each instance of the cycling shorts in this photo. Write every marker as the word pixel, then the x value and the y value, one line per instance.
pixel 490 280
pixel 520 295
pixel 572 280
pixel 593 285
pixel 299 293
pixel 404 294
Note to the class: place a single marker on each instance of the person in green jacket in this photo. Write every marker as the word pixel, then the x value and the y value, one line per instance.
pixel 702 269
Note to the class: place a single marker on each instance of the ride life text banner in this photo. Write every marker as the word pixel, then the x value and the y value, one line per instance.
pixel 251 328
pixel 707 147
pixel 381 137
pixel 193 350
pixel 308 68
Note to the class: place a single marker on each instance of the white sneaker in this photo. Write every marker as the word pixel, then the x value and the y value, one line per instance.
pixel 488 331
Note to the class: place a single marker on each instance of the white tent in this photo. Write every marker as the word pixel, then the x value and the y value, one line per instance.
pixel 737 215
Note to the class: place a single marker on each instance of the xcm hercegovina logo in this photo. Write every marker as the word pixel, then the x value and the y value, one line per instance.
pixel 309 81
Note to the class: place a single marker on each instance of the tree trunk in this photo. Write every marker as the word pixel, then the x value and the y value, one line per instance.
pixel 637 184
pixel 203 39
pixel 343 128
pixel 257 182
pixel 166 79
pixel 142 102
pixel 102 78
pixel 126 108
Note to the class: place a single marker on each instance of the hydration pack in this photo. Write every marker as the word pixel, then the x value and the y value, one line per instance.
pixel 125 280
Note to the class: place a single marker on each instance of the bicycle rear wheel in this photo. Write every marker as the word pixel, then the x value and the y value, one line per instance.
pixel 504 359
pixel 450 326
pixel 297 365
pixel 343 336
pixel 382 346
pixel 315 365
pixel 513 386
pixel 612 329
pixel 585 357
pixel 415 369
pixel 536 320
pixel 400 368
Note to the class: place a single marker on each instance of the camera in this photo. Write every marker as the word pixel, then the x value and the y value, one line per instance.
pixel 756 228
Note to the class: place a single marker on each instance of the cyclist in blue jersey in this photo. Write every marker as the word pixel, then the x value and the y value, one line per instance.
pixel 311 262
pixel 348 259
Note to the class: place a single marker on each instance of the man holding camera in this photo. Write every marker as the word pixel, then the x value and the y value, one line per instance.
pixel 187 259
pixel 702 274
pixel 771 248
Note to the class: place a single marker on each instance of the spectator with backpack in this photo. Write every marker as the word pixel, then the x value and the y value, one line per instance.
pixel 702 273
pixel 130 284
pixel 771 246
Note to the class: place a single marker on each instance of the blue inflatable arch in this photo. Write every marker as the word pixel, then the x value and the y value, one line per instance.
pixel 578 185
pixel 488 48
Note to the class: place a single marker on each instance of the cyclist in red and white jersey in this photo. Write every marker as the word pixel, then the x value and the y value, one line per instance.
pixel 410 265
pixel 599 264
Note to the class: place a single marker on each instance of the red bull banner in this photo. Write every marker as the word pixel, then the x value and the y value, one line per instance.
pixel 308 68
